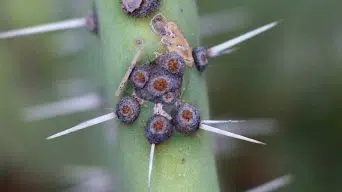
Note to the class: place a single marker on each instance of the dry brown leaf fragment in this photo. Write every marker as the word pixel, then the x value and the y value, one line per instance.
pixel 176 42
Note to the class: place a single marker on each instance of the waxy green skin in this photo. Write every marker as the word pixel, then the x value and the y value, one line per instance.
pixel 182 163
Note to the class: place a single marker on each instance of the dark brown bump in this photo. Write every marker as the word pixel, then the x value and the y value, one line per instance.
pixel 167 96
pixel 160 84
pixel 173 65
pixel 187 115
pixel 158 126
pixel 140 77
pixel 126 110
pixel 131 5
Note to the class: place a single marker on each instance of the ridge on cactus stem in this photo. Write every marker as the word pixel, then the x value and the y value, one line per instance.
pixel 90 22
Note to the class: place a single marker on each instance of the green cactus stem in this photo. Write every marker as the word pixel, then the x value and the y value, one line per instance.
pixel 183 163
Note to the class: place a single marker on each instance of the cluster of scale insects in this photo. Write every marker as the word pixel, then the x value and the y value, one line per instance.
pixel 159 81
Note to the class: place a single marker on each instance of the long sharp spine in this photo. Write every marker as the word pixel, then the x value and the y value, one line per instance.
pixel 84 125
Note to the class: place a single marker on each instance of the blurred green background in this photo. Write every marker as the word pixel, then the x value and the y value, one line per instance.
pixel 291 74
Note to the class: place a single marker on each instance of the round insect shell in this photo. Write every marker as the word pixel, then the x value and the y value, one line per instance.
pixel 161 83
pixel 139 8
pixel 172 63
pixel 158 129
pixel 170 97
pixel 200 58
pixel 186 118
pixel 140 76
pixel 127 109
pixel 144 94
pixel 158 24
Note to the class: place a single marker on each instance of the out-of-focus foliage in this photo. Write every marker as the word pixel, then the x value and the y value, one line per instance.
pixel 293 74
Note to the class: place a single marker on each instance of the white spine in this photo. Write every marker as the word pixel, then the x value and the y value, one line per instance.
pixel 150 167
pixel 84 125
pixel 228 134
pixel 57 26
pixel 218 49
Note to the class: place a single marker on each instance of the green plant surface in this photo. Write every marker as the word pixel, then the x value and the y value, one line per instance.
pixel 182 163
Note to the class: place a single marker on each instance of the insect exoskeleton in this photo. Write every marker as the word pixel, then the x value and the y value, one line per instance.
pixel 170 97
pixel 140 76
pixel 172 63
pixel 139 8
pixel 186 118
pixel 200 58
pixel 158 24
pixel 162 82
pixel 158 129
pixel 127 109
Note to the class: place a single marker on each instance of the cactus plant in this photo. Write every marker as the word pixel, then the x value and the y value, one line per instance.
pixel 183 163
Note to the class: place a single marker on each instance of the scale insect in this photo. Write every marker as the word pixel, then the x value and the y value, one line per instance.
pixel 139 8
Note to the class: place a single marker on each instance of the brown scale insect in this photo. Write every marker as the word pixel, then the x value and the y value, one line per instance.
pixel 172 37
pixel 176 42
pixel 131 5
pixel 139 8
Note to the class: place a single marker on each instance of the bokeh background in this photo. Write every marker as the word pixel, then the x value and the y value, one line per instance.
pixel 286 82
